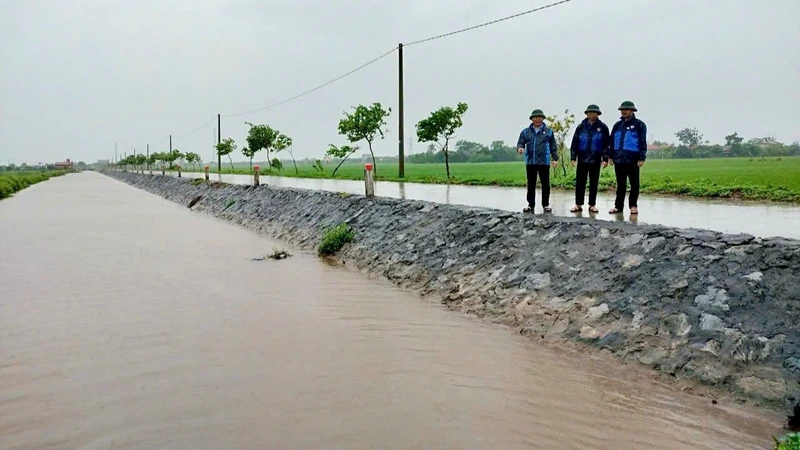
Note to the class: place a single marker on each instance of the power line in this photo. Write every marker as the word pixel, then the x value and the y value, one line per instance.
pixel 196 129
pixel 514 16
pixel 372 61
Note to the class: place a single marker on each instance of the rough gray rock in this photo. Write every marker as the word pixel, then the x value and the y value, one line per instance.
pixel 720 309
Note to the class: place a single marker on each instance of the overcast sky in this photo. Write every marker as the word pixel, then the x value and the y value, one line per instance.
pixel 78 75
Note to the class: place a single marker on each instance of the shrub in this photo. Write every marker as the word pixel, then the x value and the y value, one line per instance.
pixel 789 442
pixel 334 239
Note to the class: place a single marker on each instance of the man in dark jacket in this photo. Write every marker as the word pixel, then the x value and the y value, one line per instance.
pixel 538 144
pixel 628 152
pixel 590 149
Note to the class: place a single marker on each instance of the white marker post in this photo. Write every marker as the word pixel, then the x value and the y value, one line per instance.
pixel 369 180
pixel 206 171
pixel 179 171
pixel 256 174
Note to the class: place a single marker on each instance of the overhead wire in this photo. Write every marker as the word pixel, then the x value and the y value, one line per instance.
pixel 492 22
pixel 376 59
pixel 302 94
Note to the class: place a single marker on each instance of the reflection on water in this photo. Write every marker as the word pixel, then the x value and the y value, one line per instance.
pixel 127 321
pixel 758 219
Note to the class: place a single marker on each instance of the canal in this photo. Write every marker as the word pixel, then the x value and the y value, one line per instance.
pixel 130 322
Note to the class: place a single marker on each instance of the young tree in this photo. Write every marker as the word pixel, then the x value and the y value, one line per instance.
pixel 261 137
pixel 249 153
pixel 291 154
pixel 442 125
pixel 342 152
pixel 192 158
pixel 225 148
pixel 561 128
pixel 365 123
pixel 276 164
pixel 281 143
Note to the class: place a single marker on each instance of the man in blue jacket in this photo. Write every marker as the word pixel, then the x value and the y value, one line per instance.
pixel 538 144
pixel 628 152
pixel 590 149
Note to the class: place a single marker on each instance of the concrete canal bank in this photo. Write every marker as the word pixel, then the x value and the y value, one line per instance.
pixel 720 309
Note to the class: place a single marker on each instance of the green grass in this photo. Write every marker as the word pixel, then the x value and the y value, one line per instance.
pixel 334 239
pixel 15 181
pixel 775 179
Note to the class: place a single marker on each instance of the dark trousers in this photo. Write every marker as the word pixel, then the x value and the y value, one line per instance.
pixel 626 172
pixel 592 170
pixel 543 171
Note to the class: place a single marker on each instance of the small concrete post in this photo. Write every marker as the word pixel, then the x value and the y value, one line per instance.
pixel 256 174
pixel 369 180
pixel 179 171
pixel 206 171
pixel 162 170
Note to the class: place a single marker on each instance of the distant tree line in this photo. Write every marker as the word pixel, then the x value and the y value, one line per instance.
pixel 468 151
pixel 691 144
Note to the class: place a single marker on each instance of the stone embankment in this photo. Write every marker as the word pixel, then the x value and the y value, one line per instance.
pixel 720 309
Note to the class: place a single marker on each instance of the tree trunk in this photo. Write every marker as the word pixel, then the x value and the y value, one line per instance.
pixel 296 172
pixel 269 163
pixel 251 164
pixel 231 160
pixel 342 162
pixel 374 166
pixel 446 159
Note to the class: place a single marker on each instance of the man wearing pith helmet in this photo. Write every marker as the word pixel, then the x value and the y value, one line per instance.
pixel 538 144
pixel 628 152
pixel 590 149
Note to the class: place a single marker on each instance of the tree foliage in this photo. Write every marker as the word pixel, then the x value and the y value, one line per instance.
pixel 225 148
pixel 342 152
pixel 689 137
pixel 249 153
pixel 561 127
pixel 440 126
pixel 261 137
pixel 365 123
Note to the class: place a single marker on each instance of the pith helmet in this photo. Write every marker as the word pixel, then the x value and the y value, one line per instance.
pixel 536 113
pixel 627 104
pixel 593 108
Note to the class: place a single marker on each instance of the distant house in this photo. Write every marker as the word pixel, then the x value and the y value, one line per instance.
pixel 63 164
pixel 651 147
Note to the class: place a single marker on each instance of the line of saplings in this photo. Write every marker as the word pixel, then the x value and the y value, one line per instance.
pixel 364 123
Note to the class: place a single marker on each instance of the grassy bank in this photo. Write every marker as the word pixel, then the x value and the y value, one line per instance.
pixel 11 182
pixel 775 179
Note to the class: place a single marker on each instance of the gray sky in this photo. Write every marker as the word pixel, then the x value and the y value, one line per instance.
pixel 78 75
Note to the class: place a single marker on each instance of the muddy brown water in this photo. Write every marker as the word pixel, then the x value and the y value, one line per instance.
pixel 762 219
pixel 129 322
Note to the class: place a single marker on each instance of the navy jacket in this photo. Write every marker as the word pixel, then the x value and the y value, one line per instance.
pixel 628 141
pixel 590 142
pixel 540 148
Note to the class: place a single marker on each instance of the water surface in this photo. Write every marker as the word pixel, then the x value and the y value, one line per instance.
pixel 129 322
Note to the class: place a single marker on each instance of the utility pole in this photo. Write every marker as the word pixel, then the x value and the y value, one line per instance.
pixel 401 131
pixel 170 144
pixel 219 141
pixel 148 157
pixel 115 153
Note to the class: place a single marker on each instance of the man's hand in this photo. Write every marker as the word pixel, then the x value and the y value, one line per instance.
pixel 573 163
pixel 554 164
pixel 520 150
pixel 640 163
pixel 604 165
pixel 611 162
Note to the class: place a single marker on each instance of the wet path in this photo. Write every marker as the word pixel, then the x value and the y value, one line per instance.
pixel 129 322
pixel 759 219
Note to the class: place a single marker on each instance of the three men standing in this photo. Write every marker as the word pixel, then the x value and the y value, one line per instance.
pixel 593 147
pixel 538 144
pixel 590 149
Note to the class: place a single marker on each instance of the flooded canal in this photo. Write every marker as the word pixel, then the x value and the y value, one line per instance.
pixel 129 322
pixel 759 219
